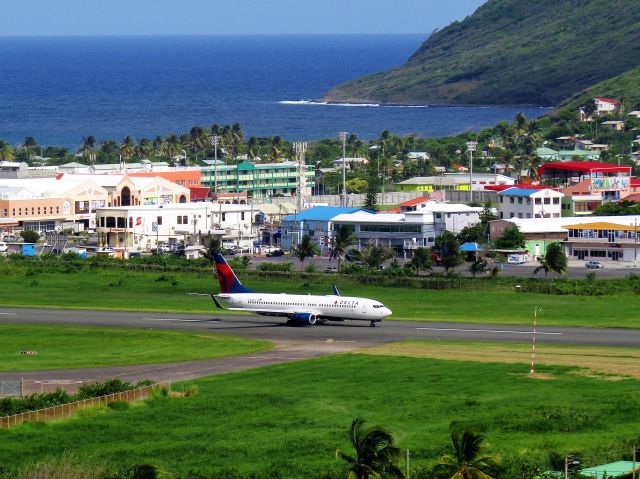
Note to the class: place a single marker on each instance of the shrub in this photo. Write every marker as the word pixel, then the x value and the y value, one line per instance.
pixel 283 267
pixel 30 236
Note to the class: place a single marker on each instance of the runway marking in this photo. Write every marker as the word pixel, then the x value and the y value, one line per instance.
pixel 9 314
pixel 489 331
pixel 177 319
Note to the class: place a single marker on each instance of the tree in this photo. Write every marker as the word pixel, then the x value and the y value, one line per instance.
pixel 344 238
pixel 6 151
pixel 376 455
pixel 467 462
pixel 554 260
pixel 357 185
pixel 374 256
pixel 215 246
pixel 305 249
pixel 128 147
pixel 30 236
pixel 511 239
pixel 447 245
pixel 477 267
pixel 421 260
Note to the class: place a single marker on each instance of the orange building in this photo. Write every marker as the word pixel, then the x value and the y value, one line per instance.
pixel 189 177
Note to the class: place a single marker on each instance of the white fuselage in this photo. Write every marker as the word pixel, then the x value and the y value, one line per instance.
pixel 327 307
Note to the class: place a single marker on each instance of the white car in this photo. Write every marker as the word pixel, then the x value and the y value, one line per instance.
pixel 594 265
pixel 3 247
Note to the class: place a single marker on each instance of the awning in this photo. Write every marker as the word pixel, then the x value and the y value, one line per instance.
pixel 602 225
pixel 470 247
pixel 614 469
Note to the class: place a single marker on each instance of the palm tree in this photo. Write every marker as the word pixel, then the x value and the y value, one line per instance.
pixel 421 260
pixel 305 249
pixel 374 255
pixel 144 148
pixel 128 147
pixel 172 147
pixel 554 260
pixel 276 148
pixel 6 151
pixel 252 148
pixel 467 462
pixel 376 455
pixel 199 140
pixel 344 238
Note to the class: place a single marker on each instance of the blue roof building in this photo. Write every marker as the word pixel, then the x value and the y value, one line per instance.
pixel 314 222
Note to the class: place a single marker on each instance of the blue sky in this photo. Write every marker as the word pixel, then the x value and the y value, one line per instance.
pixel 178 17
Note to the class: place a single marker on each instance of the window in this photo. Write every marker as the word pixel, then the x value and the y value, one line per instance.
pixel 102 221
pixel 556 201
pixel 179 220
pixel 111 222
pixel 501 198
pixel 57 210
pixel 38 210
pixel 13 213
pixel 511 215
pixel 547 201
pixel 538 201
pixel 122 222
pixel 224 217
pixel 512 200
pixel 520 200
pixel 242 216
pixel 130 221
pixel 159 220
pixel 185 220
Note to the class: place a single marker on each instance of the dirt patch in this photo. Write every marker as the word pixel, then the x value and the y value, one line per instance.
pixel 601 362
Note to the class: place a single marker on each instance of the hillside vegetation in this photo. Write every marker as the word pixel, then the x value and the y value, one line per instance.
pixel 625 88
pixel 512 52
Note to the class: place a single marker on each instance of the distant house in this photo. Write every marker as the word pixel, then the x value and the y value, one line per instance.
pixel 349 162
pixel 634 114
pixel 418 155
pixel 615 125
pixel 605 106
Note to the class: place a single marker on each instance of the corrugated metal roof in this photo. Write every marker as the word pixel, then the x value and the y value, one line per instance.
pixel 321 213
pixel 613 469
pixel 602 226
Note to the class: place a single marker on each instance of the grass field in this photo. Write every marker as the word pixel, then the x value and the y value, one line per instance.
pixel 75 347
pixel 290 418
pixel 136 290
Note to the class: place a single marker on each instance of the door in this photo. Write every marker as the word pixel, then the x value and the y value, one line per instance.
pixel 581 254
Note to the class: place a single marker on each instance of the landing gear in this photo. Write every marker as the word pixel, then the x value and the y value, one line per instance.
pixel 372 324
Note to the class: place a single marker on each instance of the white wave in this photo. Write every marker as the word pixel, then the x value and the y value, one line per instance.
pixel 365 105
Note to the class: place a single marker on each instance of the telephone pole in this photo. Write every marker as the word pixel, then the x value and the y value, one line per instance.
pixel 300 149
pixel 214 141
pixel 343 138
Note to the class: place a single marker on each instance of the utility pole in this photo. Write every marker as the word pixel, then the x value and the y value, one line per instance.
pixel 471 147
pixel 343 138
pixel 214 141
pixel 300 149
pixel 408 455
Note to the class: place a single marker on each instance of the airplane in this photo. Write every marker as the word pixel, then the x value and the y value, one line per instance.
pixel 302 310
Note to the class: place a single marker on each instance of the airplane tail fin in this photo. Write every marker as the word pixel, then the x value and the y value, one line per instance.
pixel 228 280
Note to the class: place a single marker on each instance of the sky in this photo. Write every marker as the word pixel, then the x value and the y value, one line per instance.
pixel 188 17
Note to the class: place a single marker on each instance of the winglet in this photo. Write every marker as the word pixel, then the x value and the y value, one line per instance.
pixel 335 291
pixel 215 300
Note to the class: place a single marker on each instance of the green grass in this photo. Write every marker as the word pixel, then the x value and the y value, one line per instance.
pixel 168 291
pixel 292 417
pixel 75 347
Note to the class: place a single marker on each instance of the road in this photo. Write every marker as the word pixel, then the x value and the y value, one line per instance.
pixel 292 343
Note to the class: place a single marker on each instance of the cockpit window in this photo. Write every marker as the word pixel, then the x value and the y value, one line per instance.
pixel 378 306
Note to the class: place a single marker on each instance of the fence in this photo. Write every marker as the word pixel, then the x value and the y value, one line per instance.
pixel 64 410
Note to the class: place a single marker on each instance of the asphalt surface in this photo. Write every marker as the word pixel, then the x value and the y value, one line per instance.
pixel 291 343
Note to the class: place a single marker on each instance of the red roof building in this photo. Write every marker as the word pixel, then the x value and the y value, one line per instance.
pixel 609 181
pixel 608 100
pixel 199 194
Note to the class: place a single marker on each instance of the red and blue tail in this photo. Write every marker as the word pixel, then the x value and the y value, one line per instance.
pixel 228 280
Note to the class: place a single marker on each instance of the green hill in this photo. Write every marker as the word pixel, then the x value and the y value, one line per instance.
pixel 625 88
pixel 512 52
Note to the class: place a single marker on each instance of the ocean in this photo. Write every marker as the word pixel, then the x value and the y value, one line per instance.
pixel 59 89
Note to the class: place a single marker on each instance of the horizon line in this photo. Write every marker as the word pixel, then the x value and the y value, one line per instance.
pixel 124 35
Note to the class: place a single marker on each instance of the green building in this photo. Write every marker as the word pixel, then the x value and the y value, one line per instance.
pixel 259 180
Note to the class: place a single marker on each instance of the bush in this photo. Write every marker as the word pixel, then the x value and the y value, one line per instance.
pixel 283 267
pixel 30 236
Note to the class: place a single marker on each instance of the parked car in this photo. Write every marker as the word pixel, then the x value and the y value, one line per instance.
pixel 331 269
pixel 594 265
pixel 106 251
pixel 275 252
pixel 12 239
pixel 3 247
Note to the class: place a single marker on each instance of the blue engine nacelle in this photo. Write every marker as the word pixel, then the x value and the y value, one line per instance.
pixel 304 319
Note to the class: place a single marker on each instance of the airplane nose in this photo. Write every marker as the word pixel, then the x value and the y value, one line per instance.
pixel 386 312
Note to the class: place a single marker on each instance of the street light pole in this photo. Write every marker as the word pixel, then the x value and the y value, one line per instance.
pixel 343 137
pixel 471 147
pixel 214 141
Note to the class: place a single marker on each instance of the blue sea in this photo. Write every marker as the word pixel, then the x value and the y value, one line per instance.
pixel 59 89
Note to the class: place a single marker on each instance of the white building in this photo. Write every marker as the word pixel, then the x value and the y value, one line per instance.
pixel 529 203
pixel 141 228
pixel 349 161
pixel 605 106
pixel 418 155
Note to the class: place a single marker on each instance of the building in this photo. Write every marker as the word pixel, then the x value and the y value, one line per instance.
pixel 598 238
pixel 259 180
pixel 606 106
pixel 529 203
pixel 401 231
pixel 125 190
pixel 611 182
pixel 47 204
pixel 418 155
pixel 581 153
pixel 141 228
pixel 411 228
pixel 453 181
pixel 314 222
pixel 350 162
pixel 616 125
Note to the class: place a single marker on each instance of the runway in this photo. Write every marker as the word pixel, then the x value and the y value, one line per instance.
pixel 291 343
